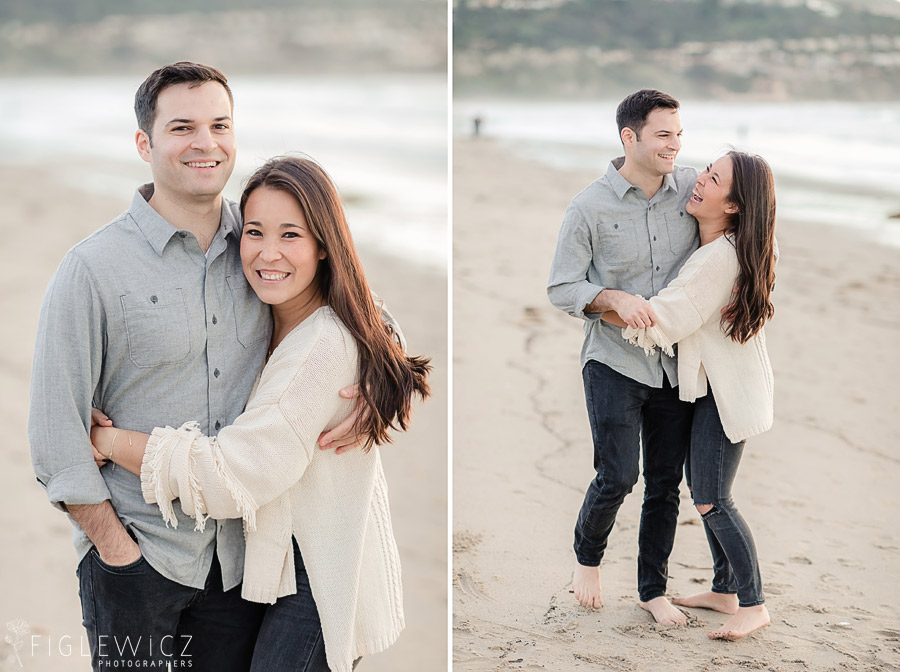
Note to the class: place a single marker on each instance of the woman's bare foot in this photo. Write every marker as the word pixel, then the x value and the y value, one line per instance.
pixel 663 611
pixel 586 582
pixel 727 604
pixel 745 621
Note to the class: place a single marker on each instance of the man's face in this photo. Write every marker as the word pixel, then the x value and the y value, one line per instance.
pixel 193 148
pixel 654 154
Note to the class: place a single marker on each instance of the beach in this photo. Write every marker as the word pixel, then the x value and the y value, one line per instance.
pixel 818 490
pixel 42 218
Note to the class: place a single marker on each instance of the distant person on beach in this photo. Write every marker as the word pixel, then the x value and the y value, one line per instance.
pixel 714 310
pixel 319 543
pixel 624 237
pixel 476 125
pixel 152 320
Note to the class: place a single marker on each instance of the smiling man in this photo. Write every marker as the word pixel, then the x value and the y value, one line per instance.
pixel 151 320
pixel 628 233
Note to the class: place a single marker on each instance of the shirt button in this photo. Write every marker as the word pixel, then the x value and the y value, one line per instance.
pixel 216 372
pixel 214 320
pixel 657 268
pixel 654 237
pixel 153 299
pixel 182 234
pixel 218 425
pixel 615 226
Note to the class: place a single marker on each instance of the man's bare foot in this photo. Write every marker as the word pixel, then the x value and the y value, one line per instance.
pixel 586 582
pixel 745 621
pixel 727 604
pixel 663 611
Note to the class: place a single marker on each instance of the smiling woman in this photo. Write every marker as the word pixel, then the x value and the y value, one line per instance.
pixel 280 256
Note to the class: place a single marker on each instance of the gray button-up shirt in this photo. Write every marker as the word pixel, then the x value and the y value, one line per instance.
pixel 139 322
pixel 613 237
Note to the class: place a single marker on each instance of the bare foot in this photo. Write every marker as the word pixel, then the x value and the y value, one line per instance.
pixel 586 582
pixel 727 604
pixel 663 611
pixel 745 621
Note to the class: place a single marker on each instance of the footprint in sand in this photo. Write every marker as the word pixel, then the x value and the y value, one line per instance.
pixel 469 585
pixel 611 663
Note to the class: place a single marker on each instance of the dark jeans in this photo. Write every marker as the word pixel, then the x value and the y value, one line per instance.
pixel 624 414
pixel 712 465
pixel 137 618
pixel 290 639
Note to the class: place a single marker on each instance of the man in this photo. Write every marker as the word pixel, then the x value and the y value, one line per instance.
pixel 628 234
pixel 151 319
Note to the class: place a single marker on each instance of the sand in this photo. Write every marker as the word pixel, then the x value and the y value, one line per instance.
pixel 819 490
pixel 40 221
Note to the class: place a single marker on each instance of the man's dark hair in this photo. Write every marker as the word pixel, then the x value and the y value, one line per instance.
pixel 183 72
pixel 633 111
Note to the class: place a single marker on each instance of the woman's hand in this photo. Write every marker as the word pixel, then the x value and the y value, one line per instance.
pixel 100 420
pixel 635 311
pixel 102 433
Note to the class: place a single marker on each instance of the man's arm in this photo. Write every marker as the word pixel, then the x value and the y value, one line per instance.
pixel 568 287
pixel 67 363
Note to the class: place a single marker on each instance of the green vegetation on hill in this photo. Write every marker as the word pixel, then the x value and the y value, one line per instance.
pixel 653 24
pixel 709 48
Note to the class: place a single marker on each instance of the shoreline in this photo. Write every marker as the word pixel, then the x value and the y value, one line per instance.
pixel 39 583
pixel 817 490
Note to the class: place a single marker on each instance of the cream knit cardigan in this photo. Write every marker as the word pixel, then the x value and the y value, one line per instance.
pixel 689 314
pixel 266 469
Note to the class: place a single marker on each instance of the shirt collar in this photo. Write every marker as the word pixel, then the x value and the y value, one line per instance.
pixel 159 231
pixel 621 186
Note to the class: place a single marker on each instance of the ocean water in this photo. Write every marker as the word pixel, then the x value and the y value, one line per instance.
pixel 381 138
pixel 834 163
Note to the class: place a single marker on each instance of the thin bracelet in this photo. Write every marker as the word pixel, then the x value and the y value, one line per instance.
pixel 112 447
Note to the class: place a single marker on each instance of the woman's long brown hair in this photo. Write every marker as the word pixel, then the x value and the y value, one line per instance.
pixel 388 377
pixel 753 227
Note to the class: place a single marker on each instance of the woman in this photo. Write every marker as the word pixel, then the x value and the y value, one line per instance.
pixel 715 311
pixel 316 524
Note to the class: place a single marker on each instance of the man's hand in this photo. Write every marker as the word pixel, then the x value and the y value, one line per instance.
pixel 343 437
pixel 102 526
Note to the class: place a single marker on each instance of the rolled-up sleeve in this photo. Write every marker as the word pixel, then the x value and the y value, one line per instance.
pixel 569 288
pixel 65 372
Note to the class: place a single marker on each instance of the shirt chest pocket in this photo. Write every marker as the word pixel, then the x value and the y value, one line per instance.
pixel 251 316
pixel 617 241
pixel 681 229
pixel 157 327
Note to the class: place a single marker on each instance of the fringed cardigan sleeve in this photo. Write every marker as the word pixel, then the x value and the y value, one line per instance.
pixel 704 286
pixel 247 470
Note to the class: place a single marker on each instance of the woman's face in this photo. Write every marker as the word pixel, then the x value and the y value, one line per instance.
pixel 710 197
pixel 279 255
